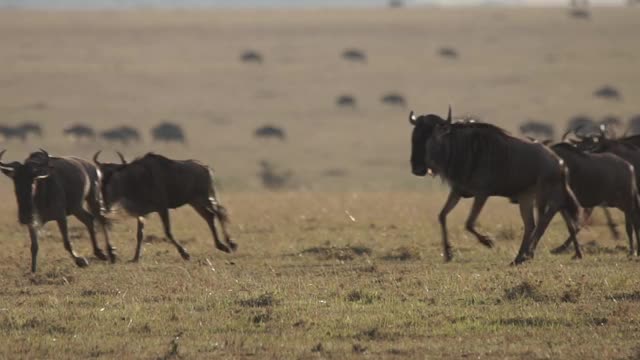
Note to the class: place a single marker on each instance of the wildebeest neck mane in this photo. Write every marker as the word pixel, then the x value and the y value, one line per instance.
pixel 568 147
pixel 469 147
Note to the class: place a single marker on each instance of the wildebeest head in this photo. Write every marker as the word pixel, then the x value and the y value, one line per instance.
pixel 110 190
pixel 596 142
pixel 25 177
pixel 423 128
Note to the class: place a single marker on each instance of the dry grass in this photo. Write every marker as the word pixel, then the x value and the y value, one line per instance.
pixel 276 299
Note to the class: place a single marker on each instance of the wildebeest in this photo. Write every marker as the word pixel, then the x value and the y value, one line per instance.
pixel 354 55
pixel 270 131
pixel 51 188
pixel 537 130
pixel 251 56
pixel 168 132
pixel 582 125
pixel 122 134
pixel 271 178
pixel 607 92
pixel 346 101
pixel 30 128
pixel 448 52
pixel 10 132
pixel 154 183
pixel 481 160
pixel 80 131
pixel 394 99
pixel 602 179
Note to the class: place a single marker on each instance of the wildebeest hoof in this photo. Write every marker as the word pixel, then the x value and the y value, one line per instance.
pixel 232 245
pixel 486 241
pixel 185 255
pixel 447 256
pixel 82 262
pixel 100 255
pixel 576 257
pixel 222 247
pixel 135 260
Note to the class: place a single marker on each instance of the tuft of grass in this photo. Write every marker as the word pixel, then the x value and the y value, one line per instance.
pixel 403 253
pixel 524 290
pixel 341 253
pixel 263 300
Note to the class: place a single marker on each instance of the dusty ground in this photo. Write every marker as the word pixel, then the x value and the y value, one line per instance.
pixel 347 265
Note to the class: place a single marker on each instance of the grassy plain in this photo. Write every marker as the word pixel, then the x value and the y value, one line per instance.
pixel 344 266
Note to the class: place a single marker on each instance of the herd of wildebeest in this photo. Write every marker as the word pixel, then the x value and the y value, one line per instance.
pixel 589 167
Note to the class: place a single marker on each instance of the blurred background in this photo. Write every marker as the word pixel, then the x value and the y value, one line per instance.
pixel 305 95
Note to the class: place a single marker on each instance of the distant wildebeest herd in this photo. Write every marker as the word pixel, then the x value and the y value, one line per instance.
pixel 480 160
pixel 125 135
pixel 49 188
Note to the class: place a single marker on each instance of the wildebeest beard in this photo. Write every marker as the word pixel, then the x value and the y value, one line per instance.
pixel 467 150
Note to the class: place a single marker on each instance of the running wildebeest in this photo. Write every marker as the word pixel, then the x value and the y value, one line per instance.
pixel 51 188
pixel 10 132
pixel 605 180
pixel 448 52
pixel 270 131
pixel 354 55
pixel 30 128
pixel 154 183
pixel 168 132
pixel 346 101
pixel 251 56
pixel 80 131
pixel 537 130
pixel 608 92
pixel 481 160
pixel 394 99
pixel 122 134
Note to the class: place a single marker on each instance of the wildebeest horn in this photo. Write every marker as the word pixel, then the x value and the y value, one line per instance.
pixel 95 158
pixel 564 136
pixel 449 120
pixel 412 118
pixel 122 159
pixel 44 152
pixel 3 165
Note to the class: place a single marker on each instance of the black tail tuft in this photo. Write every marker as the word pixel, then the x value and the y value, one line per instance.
pixel 571 202
pixel 221 212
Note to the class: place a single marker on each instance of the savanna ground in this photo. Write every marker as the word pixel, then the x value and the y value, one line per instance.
pixel 346 263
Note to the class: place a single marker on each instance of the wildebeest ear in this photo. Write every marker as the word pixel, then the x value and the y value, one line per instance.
pixel 412 118
pixel 449 120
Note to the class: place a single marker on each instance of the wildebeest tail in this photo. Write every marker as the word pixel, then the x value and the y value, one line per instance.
pixel 571 202
pixel 216 208
pixel 102 210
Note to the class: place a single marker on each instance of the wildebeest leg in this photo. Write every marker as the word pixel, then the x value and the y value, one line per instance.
pixel 62 225
pixel 209 218
pixel 87 219
pixel 139 236
pixel 451 203
pixel 166 224
pixel 573 234
pixel 612 225
pixel 33 234
pixel 570 240
pixel 629 227
pixel 528 246
pixel 478 203
pixel 526 213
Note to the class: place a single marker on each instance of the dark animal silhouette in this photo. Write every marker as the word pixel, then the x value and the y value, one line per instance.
pixel 30 128
pixel 346 101
pixel 537 130
pixel 602 179
pixel 582 125
pixel 394 99
pixel 251 56
pixel 80 132
pixel 168 132
pixel 394 4
pixel 270 131
pixel 154 183
pixel 608 92
pixel 52 188
pixel 448 52
pixel 10 132
pixel 481 160
pixel 273 179
pixel 121 134
pixel 354 55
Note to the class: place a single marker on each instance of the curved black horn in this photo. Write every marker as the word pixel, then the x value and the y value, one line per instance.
pixel 564 136
pixel 44 152
pixel 122 159
pixel 3 165
pixel 449 120
pixel 95 158
pixel 412 118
